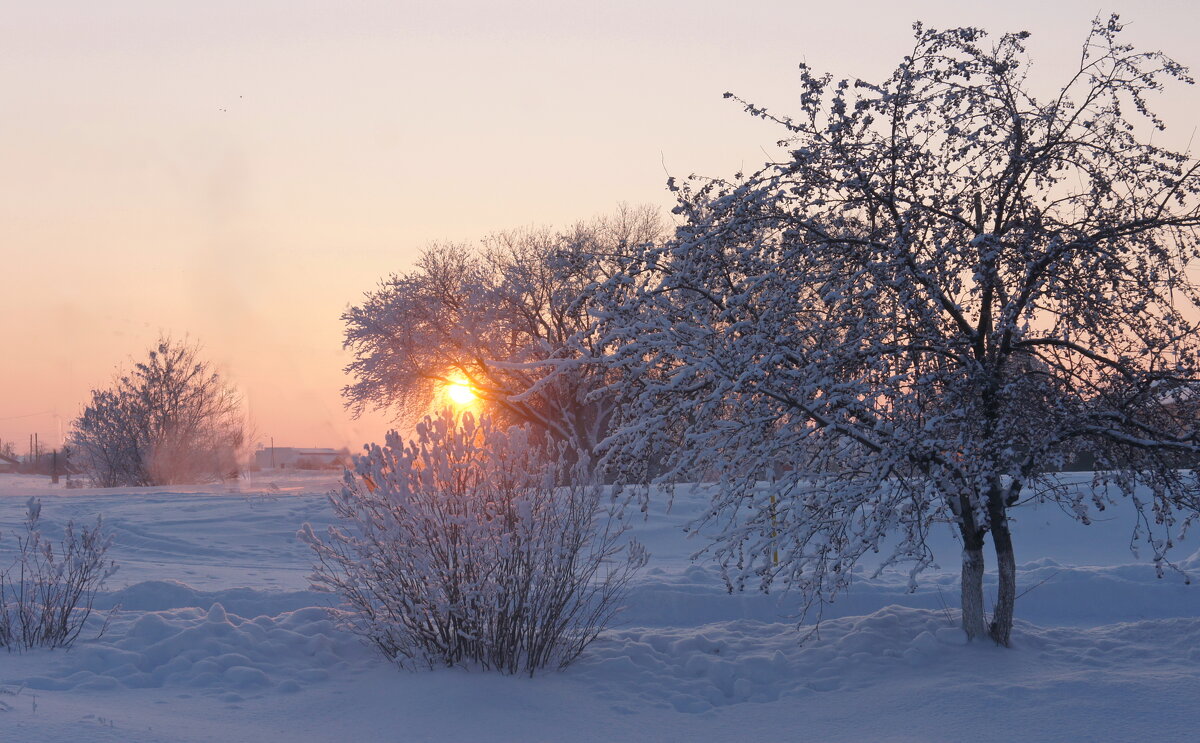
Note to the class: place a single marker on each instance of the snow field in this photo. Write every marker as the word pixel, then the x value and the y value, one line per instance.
pixel 219 639
pixel 218 653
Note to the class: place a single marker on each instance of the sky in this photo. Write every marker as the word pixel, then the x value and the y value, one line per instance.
pixel 239 173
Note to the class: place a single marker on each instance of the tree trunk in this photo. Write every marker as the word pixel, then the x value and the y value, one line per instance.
pixel 972 586
pixel 1006 566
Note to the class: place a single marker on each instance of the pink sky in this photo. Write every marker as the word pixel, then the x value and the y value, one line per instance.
pixel 239 173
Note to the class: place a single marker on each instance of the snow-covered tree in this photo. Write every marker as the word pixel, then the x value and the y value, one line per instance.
pixel 171 420
pixel 947 289
pixel 509 319
pixel 473 546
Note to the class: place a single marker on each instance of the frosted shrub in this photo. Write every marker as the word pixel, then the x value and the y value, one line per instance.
pixel 46 593
pixel 470 547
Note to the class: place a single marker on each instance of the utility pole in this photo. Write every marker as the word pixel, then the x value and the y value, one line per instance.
pixel 54 468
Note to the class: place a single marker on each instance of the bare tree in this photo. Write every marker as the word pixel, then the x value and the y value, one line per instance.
pixel 171 420
pixel 510 319
pixel 948 289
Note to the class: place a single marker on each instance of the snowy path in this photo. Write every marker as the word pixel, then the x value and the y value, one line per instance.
pixel 220 640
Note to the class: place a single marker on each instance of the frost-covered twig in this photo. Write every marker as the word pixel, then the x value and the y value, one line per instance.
pixel 47 593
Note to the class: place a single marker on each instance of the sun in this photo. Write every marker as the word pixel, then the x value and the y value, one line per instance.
pixel 460 393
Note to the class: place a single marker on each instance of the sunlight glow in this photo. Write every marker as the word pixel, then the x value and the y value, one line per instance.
pixel 460 393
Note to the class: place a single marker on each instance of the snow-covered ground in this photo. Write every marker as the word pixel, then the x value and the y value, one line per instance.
pixel 219 639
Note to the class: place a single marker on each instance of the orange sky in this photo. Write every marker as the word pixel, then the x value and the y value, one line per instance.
pixel 239 175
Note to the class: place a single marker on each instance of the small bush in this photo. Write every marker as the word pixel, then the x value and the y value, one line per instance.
pixel 471 547
pixel 46 594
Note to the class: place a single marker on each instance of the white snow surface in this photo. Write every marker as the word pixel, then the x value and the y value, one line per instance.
pixel 218 638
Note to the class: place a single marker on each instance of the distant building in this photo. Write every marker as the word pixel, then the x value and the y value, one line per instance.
pixel 290 457
pixel 8 464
